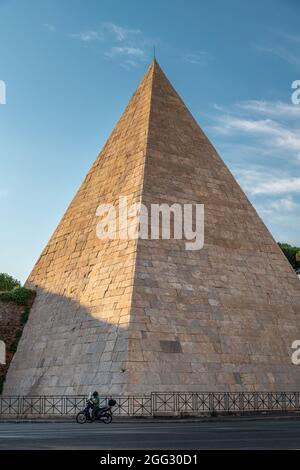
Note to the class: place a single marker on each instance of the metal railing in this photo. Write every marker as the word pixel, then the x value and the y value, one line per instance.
pixel 156 403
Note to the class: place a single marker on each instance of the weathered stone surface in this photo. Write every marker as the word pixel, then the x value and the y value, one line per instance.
pixel 12 318
pixel 10 323
pixel 106 310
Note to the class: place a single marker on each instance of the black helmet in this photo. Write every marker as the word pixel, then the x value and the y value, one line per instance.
pixel 95 394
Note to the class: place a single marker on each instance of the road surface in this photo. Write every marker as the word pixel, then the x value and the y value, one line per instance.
pixel 240 434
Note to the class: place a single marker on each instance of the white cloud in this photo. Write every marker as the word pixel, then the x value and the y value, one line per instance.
pixel 87 36
pixel 121 33
pixel 283 53
pixel 126 51
pixel 261 181
pixel 286 204
pixel 272 134
pixel 261 140
pixel 271 108
pixel 279 186
pixel 127 45
pixel 49 27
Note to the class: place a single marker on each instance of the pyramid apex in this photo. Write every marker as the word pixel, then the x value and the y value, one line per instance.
pixel 154 63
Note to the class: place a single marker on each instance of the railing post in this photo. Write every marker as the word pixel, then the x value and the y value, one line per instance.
pixel 226 402
pixel 283 406
pixel 211 402
pixel 296 401
pixel 153 402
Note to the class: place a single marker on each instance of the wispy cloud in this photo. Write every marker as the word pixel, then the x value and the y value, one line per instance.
pixel 275 125
pixel 271 108
pixel 273 133
pixel 197 58
pixel 276 197
pixel 279 186
pixel 49 27
pixel 283 45
pixel 280 214
pixel 126 51
pixel 120 32
pixel 256 181
pixel 116 32
pixel 272 208
pixel 130 56
pixel 128 46
pixel 283 53
pixel 262 141
pixel 286 204
pixel 87 36
pixel 292 37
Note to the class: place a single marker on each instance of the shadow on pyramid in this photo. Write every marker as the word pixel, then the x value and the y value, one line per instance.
pixel 133 316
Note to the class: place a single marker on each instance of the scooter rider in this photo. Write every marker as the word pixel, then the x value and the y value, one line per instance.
pixel 95 399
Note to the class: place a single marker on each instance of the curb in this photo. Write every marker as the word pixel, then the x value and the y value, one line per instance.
pixel 156 419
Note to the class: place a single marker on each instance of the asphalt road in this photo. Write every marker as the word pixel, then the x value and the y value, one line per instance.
pixel 239 434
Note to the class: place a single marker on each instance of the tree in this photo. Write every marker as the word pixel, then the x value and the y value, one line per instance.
pixel 292 253
pixel 8 283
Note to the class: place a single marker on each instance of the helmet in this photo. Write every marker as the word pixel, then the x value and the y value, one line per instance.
pixel 95 394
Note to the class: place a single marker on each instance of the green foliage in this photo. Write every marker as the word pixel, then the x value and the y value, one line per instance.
pixel 2 378
pixel 14 345
pixel 20 295
pixel 25 315
pixel 292 253
pixel 7 283
pixel 5 296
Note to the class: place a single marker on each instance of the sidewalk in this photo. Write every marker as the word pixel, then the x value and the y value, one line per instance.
pixel 159 419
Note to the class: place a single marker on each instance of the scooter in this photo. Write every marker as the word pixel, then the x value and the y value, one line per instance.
pixel 104 414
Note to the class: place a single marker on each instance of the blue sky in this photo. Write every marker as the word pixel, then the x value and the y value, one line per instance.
pixel 70 67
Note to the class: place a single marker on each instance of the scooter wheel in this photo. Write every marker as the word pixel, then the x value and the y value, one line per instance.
pixel 81 417
pixel 106 418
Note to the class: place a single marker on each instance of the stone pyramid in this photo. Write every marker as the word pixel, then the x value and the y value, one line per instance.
pixel 136 316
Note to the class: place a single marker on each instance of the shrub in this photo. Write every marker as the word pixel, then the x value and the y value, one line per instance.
pixel 25 315
pixel 8 283
pixel 2 378
pixel 20 295
pixel 291 254
pixel 14 345
pixel 5 296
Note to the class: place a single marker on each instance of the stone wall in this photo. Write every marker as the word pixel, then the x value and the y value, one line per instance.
pixel 12 320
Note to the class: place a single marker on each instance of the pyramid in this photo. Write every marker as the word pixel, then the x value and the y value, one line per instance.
pixel 132 316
